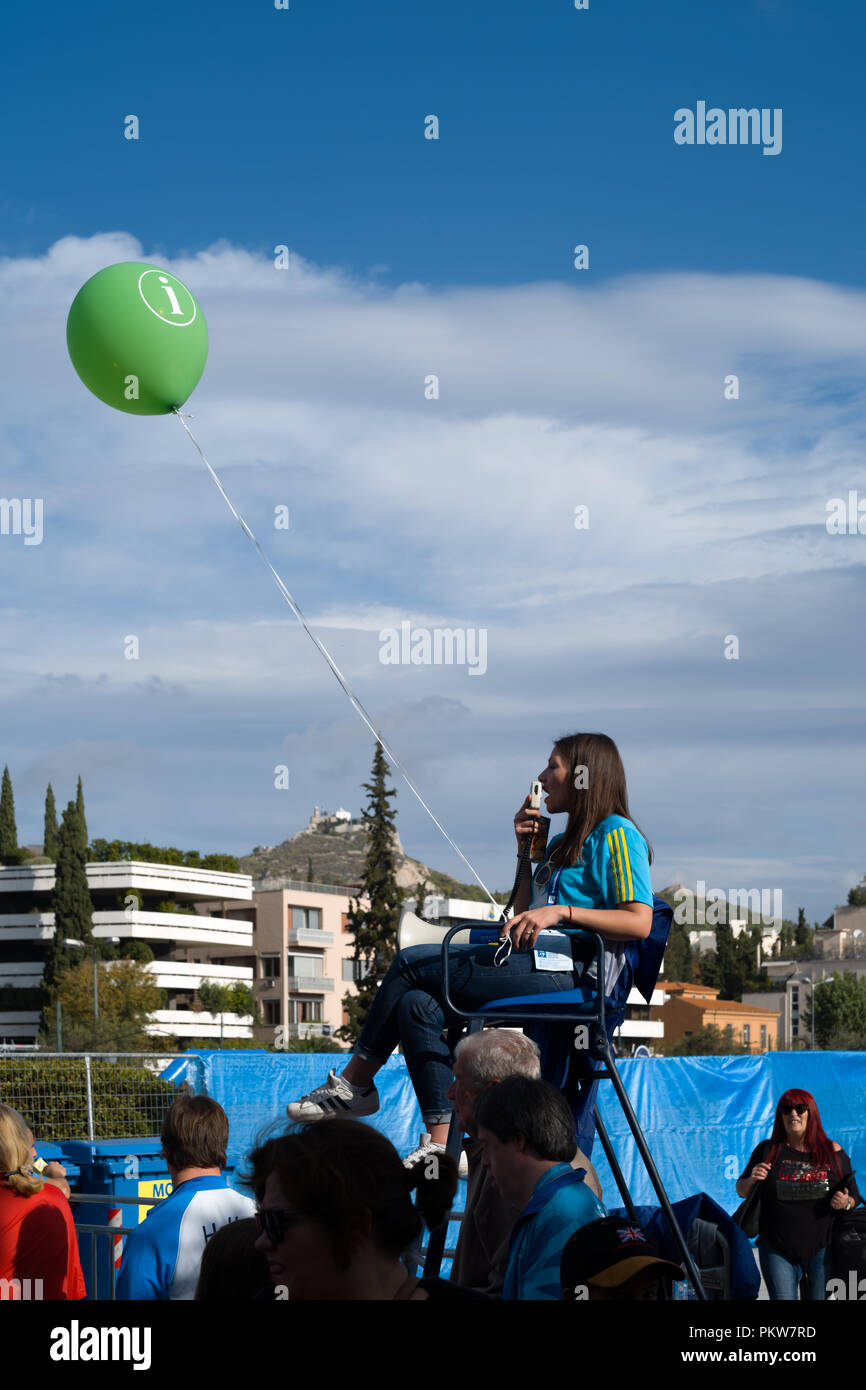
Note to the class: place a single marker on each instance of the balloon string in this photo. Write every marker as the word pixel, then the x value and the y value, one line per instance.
pixel 392 757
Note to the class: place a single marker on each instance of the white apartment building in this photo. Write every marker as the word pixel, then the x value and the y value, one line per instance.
pixel 166 920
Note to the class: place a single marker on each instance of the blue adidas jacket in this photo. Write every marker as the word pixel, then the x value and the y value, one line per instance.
pixel 560 1203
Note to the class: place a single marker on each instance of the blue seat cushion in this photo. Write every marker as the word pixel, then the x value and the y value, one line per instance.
pixel 569 999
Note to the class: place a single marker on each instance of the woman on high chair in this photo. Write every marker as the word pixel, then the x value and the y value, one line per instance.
pixel 595 874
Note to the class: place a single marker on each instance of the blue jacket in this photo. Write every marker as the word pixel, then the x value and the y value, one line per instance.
pixel 560 1203
pixel 161 1258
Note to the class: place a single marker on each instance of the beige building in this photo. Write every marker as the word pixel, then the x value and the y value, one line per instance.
pixel 689 1008
pixel 300 954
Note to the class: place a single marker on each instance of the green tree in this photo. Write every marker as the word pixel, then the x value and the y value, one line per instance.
pixel 730 963
pixel 136 950
pixel 857 896
pixel 79 806
pixel 70 902
pixel 127 996
pixel 113 851
pixel 9 853
pixel 804 937
pixel 679 957
pixel 310 878
pixel 375 930
pixel 840 1010
pixel 421 896
pixel 51 834
pixel 223 999
pixel 750 978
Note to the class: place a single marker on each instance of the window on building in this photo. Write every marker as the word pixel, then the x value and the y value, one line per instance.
pixel 306 918
pixel 747 1033
pixel 763 1036
pixel 355 970
pixel 307 966
pixel 305 1010
pixel 270 967
pixel 271 1011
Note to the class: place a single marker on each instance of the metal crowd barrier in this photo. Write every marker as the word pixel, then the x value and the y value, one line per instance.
pixel 115 1233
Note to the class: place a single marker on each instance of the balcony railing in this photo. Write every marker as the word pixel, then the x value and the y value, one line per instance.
pixel 309 936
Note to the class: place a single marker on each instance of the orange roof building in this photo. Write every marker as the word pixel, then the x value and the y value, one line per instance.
pixel 689 1008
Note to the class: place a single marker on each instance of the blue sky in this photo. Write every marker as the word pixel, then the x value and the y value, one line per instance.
pixel 559 388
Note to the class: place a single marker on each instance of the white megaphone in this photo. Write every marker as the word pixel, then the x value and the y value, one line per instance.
pixel 414 931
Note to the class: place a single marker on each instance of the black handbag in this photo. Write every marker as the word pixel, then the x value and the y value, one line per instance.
pixel 849 1243
pixel 748 1213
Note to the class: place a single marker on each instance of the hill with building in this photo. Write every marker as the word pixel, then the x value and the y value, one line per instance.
pixel 334 844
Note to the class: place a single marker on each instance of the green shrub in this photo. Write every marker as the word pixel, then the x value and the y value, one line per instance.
pixel 129 1102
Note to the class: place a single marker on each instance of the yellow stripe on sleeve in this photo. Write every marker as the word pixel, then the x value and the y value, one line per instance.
pixel 621 833
pixel 617 876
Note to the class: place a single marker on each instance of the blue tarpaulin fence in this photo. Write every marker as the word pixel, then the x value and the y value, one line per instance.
pixel 702 1116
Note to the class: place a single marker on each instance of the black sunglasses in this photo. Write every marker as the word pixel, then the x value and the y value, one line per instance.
pixel 274 1220
pixel 795 1109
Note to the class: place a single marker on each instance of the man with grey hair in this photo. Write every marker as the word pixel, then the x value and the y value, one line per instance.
pixel 482 1060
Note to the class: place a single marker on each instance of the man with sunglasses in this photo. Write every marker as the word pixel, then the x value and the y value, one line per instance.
pixel 161 1259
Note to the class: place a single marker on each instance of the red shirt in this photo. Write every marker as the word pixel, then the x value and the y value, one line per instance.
pixel 38 1242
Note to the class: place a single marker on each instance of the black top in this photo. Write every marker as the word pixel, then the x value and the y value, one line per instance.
pixel 796 1217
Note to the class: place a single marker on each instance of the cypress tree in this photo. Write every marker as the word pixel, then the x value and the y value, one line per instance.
pixel 8 830
pixel 375 930
pixel 71 901
pixel 50 835
pixel 421 895
pixel 79 806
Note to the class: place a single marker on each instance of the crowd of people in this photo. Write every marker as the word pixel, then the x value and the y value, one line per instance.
pixel 330 1211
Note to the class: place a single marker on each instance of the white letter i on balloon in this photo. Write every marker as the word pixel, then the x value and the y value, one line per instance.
pixel 175 307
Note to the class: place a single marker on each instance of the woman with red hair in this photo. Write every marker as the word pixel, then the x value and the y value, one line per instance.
pixel 805 1178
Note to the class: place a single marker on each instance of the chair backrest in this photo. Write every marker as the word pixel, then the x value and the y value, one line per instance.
pixel 650 952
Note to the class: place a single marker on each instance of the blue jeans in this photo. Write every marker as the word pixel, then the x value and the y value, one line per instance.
pixel 784 1278
pixel 408 1009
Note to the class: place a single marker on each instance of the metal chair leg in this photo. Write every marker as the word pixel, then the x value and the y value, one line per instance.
pixel 437 1238
pixel 643 1150
pixel 615 1168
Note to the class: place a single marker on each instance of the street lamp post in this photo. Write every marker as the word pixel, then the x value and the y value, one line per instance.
pixel 80 945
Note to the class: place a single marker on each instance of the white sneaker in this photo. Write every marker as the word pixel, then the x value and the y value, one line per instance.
pixel 427 1149
pixel 335 1098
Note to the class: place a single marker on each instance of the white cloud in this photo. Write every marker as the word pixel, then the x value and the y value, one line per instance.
pixel 706 515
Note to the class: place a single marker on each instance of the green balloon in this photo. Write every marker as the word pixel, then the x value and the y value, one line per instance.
pixel 137 338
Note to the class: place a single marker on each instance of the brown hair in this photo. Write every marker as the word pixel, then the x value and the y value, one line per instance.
pixel 605 794
pixel 232 1270
pixel 350 1178
pixel 195 1133
pixel 16 1153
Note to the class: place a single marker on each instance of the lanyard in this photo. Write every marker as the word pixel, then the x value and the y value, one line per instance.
pixel 541 878
pixel 504 949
